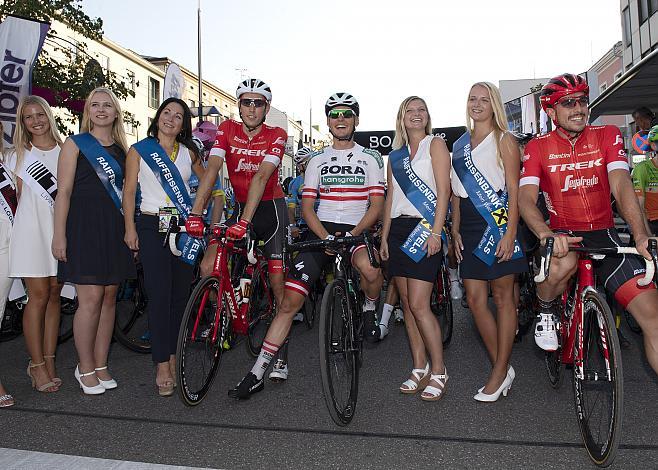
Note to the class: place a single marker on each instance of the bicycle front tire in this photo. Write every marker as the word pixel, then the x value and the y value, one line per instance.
pixel 131 326
pixel 441 304
pixel 599 394
pixel 198 355
pixel 338 354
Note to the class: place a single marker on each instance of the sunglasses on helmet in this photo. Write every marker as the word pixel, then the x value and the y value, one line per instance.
pixel 346 113
pixel 571 102
pixel 248 102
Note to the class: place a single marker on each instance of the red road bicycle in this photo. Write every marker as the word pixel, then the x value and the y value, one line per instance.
pixel 588 341
pixel 235 301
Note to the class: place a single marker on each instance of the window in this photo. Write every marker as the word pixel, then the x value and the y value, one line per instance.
pixel 626 18
pixel 154 93
pixel 602 87
pixel 103 60
pixel 130 79
pixel 617 75
pixel 653 7
pixel 643 10
pixel 129 127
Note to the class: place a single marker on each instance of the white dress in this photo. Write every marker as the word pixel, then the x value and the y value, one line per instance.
pixel 29 252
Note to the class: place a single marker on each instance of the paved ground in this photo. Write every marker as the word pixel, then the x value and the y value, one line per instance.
pixel 288 425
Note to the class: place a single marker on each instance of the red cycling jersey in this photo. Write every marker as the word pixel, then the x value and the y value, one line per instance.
pixel 574 176
pixel 243 156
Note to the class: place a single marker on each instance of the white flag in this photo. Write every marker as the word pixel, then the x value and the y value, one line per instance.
pixel 20 44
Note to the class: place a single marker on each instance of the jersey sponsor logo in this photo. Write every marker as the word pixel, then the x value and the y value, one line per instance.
pixel 299 266
pixel 342 169
pixel 622 153
pixel 238 139
pixel 246 166
pixel 576 166
pixel 574 183
pixel 618 140
pixel 280 141
pixel 250 152
pixel 376 155
pixel 276 151
pixel 555 156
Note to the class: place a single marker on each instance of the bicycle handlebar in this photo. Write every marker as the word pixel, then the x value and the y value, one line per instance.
pixel 338 243
pixel 650 264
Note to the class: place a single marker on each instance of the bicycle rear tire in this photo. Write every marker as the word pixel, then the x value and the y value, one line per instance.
pixel 598 397
pixel 261 311
pixel 338 354
pixel 441 304
pixel 131 327
pixel 197 355
pixel 309 307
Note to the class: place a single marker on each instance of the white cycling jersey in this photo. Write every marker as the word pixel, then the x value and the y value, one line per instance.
pixel 344 180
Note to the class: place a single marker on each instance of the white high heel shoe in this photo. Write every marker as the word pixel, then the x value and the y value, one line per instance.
pixel 510 373
pixel 93 390
pixel 107 384
pixel 503 389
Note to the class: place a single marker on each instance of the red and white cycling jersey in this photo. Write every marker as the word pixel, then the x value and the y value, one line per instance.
pixel 345 181
pixel 243 156
pixel 574 177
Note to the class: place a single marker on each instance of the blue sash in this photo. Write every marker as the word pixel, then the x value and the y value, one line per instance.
pixel 170 179
pixel 491 207
pixel 421 196
pixel 106 167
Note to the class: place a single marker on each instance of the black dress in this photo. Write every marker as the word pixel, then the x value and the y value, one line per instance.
pixel 95 251
pixel 399 263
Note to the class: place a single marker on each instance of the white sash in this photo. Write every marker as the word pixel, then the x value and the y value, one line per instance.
pixel 39 178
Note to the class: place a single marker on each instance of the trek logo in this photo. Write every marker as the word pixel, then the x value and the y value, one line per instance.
pixel 576 166
pixel 344 170
pixel 571 183
pixel 246 166
pixel 250 152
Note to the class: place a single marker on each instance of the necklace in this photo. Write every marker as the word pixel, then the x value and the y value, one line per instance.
pixel 174 153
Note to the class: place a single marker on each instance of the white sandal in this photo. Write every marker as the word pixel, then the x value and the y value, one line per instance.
pixel 422 377
pixel 432 393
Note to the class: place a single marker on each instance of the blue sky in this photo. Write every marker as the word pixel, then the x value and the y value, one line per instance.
pixel 379 51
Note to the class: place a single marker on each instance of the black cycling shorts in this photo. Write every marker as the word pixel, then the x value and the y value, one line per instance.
pixel 269 224
pixel 307 266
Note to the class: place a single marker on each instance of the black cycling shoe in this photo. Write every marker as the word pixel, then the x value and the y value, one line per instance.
pixel 247 387
pixel 371 326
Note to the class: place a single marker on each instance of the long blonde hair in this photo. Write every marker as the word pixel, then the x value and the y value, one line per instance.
pixel 499 116
pixel 118 132
pixel 22 137
pixel 401 138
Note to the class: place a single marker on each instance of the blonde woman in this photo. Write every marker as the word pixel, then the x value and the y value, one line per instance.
pixel 89 231
pixel 411 238
pixel 485 247
pixel 8 203
pixel 34 163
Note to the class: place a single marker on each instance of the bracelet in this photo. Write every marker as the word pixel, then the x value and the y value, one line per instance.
pixel 436 236
pixel 195 214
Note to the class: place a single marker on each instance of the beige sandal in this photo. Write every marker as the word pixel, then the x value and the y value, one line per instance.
pixel 56 380
pixel 421 376
pixel 432 393
pixel 43 388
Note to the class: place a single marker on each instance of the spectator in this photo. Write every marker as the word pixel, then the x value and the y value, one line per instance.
pixel 644 118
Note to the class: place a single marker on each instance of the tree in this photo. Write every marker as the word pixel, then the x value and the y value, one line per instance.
pixel 73 79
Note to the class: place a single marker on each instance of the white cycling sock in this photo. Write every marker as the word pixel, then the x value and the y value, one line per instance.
pixel 453 274
pixel 267 353
pixel 369 304
pixel 386 314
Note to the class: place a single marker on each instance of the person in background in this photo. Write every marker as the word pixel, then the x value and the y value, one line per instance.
pixel 8 201
pixel 645 183
pixel 34 163
pixel 89 231
pixel 644 118
pixel 167 277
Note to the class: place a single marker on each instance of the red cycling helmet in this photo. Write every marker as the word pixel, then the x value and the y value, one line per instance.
pixel 561 86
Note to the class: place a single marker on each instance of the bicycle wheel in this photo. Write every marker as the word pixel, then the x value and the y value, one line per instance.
pixel 67 311
pixel 441 305
pixel 261 310
pixel 631 322
pixel 338 355
pixel 309 308
pixel 203 329
pixel 12 322
pixel 599 393
pixel 131 327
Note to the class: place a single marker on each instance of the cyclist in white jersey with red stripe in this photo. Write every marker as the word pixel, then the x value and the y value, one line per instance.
pixel 349 181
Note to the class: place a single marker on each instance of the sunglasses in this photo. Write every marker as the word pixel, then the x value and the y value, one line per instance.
pixel 248 102
pixel 346 113
pixel 571 102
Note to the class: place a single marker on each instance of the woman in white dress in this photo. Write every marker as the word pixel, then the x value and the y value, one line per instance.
pixel 34 163
pixel 8 203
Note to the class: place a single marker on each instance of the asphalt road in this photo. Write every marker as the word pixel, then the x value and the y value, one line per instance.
pixel 287 425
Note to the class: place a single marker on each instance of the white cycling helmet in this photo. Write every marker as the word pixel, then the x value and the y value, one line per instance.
pixel 302 155
pixel 254 85
pixel 341 99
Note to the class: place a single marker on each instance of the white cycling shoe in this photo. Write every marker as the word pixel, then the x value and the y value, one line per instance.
pixel 279 371
pixel 546 332
pixel 455 290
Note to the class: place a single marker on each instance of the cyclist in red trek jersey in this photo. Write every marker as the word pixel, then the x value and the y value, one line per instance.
pixel 578 167
pixel 252 151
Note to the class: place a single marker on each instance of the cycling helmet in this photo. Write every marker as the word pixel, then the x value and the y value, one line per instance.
pixel 560 86
pixel 653 134
pixel 254 85
pixel 341 99
pixel 228 194
pixel 199 144
pixel 302 155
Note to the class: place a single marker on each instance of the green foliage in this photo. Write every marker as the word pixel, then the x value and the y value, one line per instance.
pixel 67 77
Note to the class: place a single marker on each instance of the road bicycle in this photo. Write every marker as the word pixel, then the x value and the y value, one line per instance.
pixel 588 341
pixel 235 301
pixel 341 326
pixel 441 302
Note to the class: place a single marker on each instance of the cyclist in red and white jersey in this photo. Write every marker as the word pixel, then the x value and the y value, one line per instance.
pixel 578 167
pixel 349 181
pixel 252 151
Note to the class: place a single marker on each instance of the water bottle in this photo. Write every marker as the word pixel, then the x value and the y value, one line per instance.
pixel 245 287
